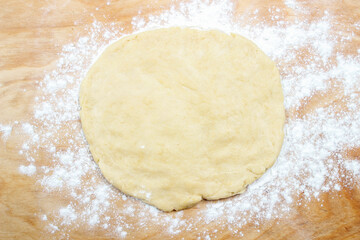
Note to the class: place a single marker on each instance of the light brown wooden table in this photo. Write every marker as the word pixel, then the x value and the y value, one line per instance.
pixel 32 33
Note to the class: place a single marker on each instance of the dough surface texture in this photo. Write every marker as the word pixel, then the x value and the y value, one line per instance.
pixel 173 116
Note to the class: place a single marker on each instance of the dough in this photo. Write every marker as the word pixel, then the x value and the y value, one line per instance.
pixel 177 115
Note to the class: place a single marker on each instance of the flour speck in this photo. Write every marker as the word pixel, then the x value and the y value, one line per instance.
pixel 27 170
pixel 5 131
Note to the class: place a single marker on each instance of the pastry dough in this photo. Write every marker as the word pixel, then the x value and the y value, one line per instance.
pixel 177 115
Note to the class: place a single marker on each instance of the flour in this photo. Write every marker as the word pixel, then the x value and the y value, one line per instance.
pixel 121 232
pixel 353 167
pixel 67 214
pixel 5 131
pixel 314 155
pixel 292 4
pixel 27 170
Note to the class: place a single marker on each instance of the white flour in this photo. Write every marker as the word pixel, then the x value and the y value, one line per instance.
pixel 5 131
pixel 312 161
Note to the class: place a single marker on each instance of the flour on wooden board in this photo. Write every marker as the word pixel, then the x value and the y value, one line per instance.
pixel 5 132
pixel 311 161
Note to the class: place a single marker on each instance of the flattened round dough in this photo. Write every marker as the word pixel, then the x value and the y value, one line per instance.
pixel 177 115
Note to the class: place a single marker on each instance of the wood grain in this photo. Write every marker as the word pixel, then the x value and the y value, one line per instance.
pixel 32 34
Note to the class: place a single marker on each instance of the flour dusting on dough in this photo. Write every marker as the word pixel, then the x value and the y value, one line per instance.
pixel 314 156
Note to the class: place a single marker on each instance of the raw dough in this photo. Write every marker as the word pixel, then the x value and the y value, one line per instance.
pixel 177 115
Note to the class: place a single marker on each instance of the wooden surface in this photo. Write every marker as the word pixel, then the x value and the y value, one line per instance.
pixel 32 33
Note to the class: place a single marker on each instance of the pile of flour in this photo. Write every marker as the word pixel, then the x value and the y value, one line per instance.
pixel 312 161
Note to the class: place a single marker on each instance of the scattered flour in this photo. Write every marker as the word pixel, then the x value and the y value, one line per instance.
pixel 5 131
pixel 353 167
pixel 67 214
pixel 312 160
pixel 27 170
pixel 292 4
pixel 121 232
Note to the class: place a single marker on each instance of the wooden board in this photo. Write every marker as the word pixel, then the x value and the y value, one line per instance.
pixel 32 34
